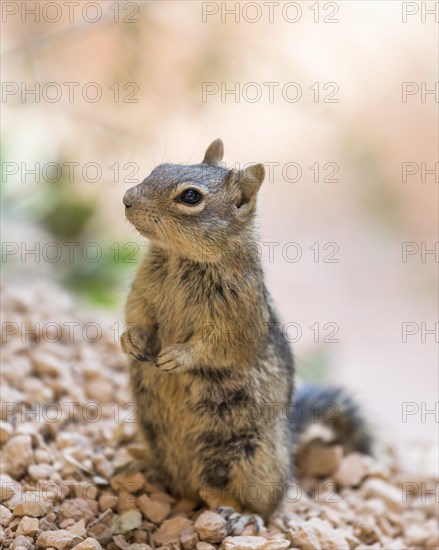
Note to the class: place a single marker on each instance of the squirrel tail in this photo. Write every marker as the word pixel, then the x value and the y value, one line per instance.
pixel 331 414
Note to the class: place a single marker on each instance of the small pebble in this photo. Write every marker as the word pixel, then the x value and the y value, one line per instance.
pixel 32 509
pixel 17 455
pixel 28 526
pixel 211 527
pixel 154 510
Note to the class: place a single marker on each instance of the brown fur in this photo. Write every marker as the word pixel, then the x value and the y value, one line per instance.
pixel 211 372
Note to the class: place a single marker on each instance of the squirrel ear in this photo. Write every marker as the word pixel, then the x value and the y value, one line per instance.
pixel 248 181
pixel 214 153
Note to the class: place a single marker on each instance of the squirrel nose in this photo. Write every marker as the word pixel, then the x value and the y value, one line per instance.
pixel 130 197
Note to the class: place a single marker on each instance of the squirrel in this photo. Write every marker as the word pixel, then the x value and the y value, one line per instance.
pixel 211 371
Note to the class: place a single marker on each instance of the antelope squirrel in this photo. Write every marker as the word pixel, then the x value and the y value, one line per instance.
pixel 211 371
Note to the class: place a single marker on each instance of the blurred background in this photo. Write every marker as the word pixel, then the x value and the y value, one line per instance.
pixel 336 98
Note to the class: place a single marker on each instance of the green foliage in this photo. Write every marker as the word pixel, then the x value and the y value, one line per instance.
pixel 73 220
pixel 314 367
pixel 68 216
pixel 99 282
pixel 377 194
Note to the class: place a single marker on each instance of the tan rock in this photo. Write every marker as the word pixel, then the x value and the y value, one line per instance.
pixel 42 456
pixel 23 543
pixel 16 371
pixel 65 524
pixel 76 508
pixel 303 537
pixel 124 432
pixel 6 430
pixel 378 488
pixel 103 467
pixel 31 509
pixel 276 544
pixel 211 527
pixel 416 535
pixel 39 472
pixel 244 543
pixel 385 526
pixel 78 529
pixel 372 506
pixel 68 439
pixel 170 530
pixel 153 510
pixel 427 503
pixel 185 506
pixel 101 531
pixel 254 543
pixel 130 520
pixel 17 455
pixel 28 526
pixel 8 487
pixel 204 546
pixel 320 460
pixel 5 516
pixel 163 497
pixel 352 470
pixel 60 540
pixel 88 544
pixel 45 363
pixel 16 499
pixel 140 536
pixel 121 542
pixel 366 530
pixel 31 428
pixel 100 391
pixel 329 538
pixel 87 491
pixel 107 500
pixel 335 518
pixel 432 543
pixel 38 391
pixel 131 483
pixel 189 538
pixel 91 370
pixel 352 540
pixel 125 501
pixel 388 544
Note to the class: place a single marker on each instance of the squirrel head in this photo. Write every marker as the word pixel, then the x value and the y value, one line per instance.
pixel 201 211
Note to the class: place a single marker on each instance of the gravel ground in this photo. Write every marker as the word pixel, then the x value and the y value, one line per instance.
pixel 67 429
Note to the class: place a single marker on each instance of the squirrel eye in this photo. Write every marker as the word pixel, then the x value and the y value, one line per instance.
pixel 190 196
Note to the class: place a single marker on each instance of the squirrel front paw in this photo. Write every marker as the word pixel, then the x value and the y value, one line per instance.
pixel 173 358
pixel 237 522
pixel 134 341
